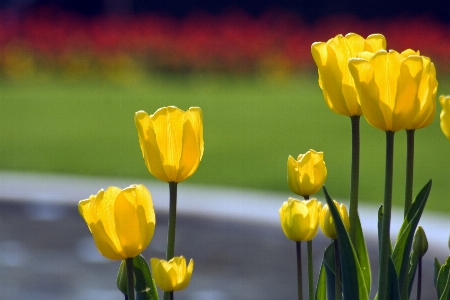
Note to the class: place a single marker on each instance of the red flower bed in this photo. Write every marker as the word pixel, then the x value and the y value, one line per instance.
pixel 232 42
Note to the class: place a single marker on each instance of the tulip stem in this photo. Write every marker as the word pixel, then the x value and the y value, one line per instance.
pixel 299 270
pixel 419 279
pixel 337 270
pixel 172 221
pixel 171 231
pixel 354 180
pixel 130 278
pixel 310 270
pixel 386 219
pixel 409 169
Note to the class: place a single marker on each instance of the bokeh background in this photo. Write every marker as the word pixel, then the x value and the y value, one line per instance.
pixel 73 73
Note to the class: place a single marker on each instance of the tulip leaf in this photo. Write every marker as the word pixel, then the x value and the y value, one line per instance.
pixel 122 280
pixel 363 255
pixel 330 265
pixel 393 284
pixel 443 281
pixel 437 268
pixel 321 288
pixel 145 285
pixel 402 249
pixel 413 262
pixel 351 273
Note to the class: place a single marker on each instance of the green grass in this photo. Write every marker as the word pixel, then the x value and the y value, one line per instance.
pixel 251 125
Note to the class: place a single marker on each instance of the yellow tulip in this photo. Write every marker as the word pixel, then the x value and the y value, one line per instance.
pixel 327 223
pixel 122 222
pixel 307 174
pixel 171 141
pixel 445 115
pixel 300 219
pixel 397 90
pixel 335 79
pixel 172 275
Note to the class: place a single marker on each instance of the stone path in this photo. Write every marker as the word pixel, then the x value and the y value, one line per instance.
pixel 240 252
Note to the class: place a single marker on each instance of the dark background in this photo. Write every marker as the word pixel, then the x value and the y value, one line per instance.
pixel 310 10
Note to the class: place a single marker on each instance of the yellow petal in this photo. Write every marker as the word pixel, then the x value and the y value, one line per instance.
pixel 168 126
pixel 375 42
pixel 192 151
pixel 445 115
pixel 187 275
pixel 149 147
pixel 293 175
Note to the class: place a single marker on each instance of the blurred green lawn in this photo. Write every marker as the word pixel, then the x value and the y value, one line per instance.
pixel 251 125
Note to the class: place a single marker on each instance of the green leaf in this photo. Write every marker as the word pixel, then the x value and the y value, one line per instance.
pixel 321 288
pixel 393 284
pixel 402 249
pixel 122 280
pixel 413 261
pixel 363 255
pixel 145 285
pixel 437 268
pixel 330 266
pixel 443 281
pixel 351 273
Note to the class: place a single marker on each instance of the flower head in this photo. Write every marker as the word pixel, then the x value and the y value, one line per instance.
pixel 307 174
pixel 397 91
pixel 335 80
pixel 300 219
pixel 445 115
pixel 327 223
pixel 122 222
pixel 171 141
pixel 172 275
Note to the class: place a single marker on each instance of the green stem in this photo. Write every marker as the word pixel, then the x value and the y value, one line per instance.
pixel 354 177
pixel 299 270
pixel 419 279
pixel 130 278
pixel 337 267
pixel 409 169
pixel 386 219
pixel 171 231
pixel 172 221
pixel 310 270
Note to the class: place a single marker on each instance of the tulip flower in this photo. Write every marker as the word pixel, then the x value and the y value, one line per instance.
pixel 171 141
pixel 172 275
pixel 396 90
pixel 326 221
pixel 122 222
pixel 307 174
pixel 445 115
pixel 300 219
pixel 335 79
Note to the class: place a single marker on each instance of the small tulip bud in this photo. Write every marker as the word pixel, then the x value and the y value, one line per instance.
pixel 420 243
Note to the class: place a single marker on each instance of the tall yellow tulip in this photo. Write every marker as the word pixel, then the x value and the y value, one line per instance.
pixel 171 141
pixel 300 219
pixel 326 221
pixel 396 90
pixel 172 275
pixel 445 115
pixel 122 222
pixel 307 174
pixel 335 80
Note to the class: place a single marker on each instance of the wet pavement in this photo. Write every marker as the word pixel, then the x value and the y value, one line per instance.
pixel 47 252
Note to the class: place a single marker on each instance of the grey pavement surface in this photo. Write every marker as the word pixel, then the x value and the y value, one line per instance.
pixel 240 252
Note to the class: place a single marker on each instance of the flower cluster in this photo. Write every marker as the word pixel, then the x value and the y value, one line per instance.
pixel 122 222
pixel 275 43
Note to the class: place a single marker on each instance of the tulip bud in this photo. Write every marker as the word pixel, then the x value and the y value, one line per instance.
pixel 300 219
pixel 307 174
pixel 327 223
pixel 172 275
pixel 420 242
pixel 445 115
